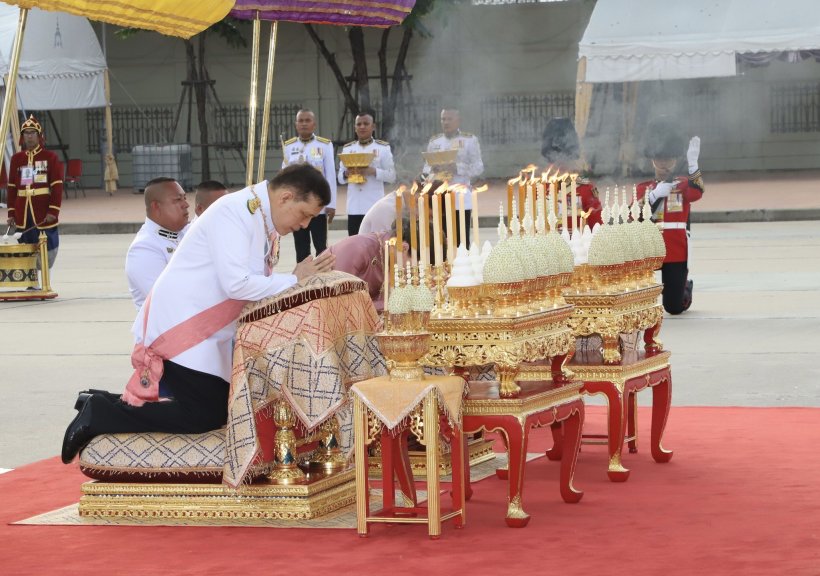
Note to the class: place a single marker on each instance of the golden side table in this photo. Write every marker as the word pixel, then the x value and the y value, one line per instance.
pixel 431 408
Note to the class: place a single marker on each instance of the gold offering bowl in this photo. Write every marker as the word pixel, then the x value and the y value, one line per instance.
pixel 356 162
pixel 505 298
pixel 402 352
pixel 465 301
pixel 438 160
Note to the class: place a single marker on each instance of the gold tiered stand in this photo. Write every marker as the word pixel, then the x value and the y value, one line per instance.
pixel 623 306
pixel 530 331
pixel 356 162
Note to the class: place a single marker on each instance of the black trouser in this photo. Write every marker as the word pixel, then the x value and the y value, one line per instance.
pixel 676 297
pixel 316 229
pixel 354 222
pixel 199 404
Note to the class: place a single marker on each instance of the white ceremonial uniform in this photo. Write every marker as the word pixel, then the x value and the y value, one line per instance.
pixel 318 152
pixel 222 257
pixel 360 197
pixel 147 257
pixel 468 159
pixel 381 216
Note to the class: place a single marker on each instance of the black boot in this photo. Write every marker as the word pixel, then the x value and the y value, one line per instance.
pixel 687 294
pixel 78 433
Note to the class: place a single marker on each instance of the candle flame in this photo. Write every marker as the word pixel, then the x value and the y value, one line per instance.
pixel 458 188
pixel 426 188
pixel 574 177
pixel 480 189
pixel 442 189
pixel 414 188
pixel 392 241
pixel 513 180
pixel 400 190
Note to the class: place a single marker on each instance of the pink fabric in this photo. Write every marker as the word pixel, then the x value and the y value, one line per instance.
pixel 147 360
pixel 363 256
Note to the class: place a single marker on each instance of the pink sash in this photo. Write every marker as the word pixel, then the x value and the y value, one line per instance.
pixel 147 361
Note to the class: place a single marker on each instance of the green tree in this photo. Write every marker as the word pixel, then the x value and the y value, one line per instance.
pixel 198 81
pixel 392 80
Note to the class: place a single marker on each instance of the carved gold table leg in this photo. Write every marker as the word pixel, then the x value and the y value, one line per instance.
pixel 506 375
pixel 653 344
pixel 285 469
pixel 612 352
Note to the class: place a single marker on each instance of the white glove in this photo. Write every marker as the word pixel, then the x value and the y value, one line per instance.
pixel 692 154
pixel 662 190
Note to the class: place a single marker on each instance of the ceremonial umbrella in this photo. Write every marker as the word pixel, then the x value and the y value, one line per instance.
pixel 376 13
pixel 171 17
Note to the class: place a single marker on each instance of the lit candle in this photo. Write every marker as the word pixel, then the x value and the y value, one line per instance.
pixel 564 202
pixel 424 242
pixel 386 273
pixel 573 178
pixel 553 201
pixel 475 215
pixel 462 218
pixel 437 228
pixel 399 226
pixel 391 262
pixel 411 204
pixel 522 186
pixel 510 197
pixel 451 237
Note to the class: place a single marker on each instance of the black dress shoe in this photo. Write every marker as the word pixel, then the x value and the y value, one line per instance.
pixel 78 433
pixel 83 397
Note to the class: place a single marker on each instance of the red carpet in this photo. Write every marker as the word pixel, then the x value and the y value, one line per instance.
pixel 739 497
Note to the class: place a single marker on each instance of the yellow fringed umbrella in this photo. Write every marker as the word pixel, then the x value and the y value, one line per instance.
pixel 171 17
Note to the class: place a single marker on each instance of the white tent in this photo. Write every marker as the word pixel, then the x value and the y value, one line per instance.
pixel 633 40
pixel 61 64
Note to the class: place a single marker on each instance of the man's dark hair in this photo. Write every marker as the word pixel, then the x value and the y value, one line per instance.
pixel 451 107
pixel 368 112
pixel 210 186
pixel 304 180
pixel 151 195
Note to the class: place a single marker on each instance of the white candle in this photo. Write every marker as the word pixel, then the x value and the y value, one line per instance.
pixel 462 218
pixel 475 218
pixel 564 202
pixel 574 205
pixel 437 230
pixel 424 226
pixel 386 272
pixel 451 236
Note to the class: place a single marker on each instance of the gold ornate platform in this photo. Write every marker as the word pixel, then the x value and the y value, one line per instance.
pixel 504 342
pixel 324 493
pixel 612 314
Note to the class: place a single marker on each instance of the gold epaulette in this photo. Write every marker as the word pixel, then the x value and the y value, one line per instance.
pixel 351 143
pixel 439 135
pixel 323 140
pixel 383 142
pixel 291 141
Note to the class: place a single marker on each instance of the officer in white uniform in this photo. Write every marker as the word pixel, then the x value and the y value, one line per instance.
pixel 360 197
pixel 226 258
pixel 166 221
pixel 308 148
pixel 468 163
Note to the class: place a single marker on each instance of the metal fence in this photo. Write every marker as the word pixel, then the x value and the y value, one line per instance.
pixel 131 126
pixel 414 124
pixel 231 123
pixel 522 118
pixel 794 107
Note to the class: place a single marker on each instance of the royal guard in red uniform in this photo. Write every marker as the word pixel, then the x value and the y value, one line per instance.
pixel 671 196
pixel 35 189
pixel 559 145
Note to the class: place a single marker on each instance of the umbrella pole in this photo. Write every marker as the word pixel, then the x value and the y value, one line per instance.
pixel 263 140
pixel 11 82
pixel 252 101
pixel 110 162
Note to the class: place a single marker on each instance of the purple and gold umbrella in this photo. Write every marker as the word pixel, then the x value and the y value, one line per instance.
pixel 377 13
